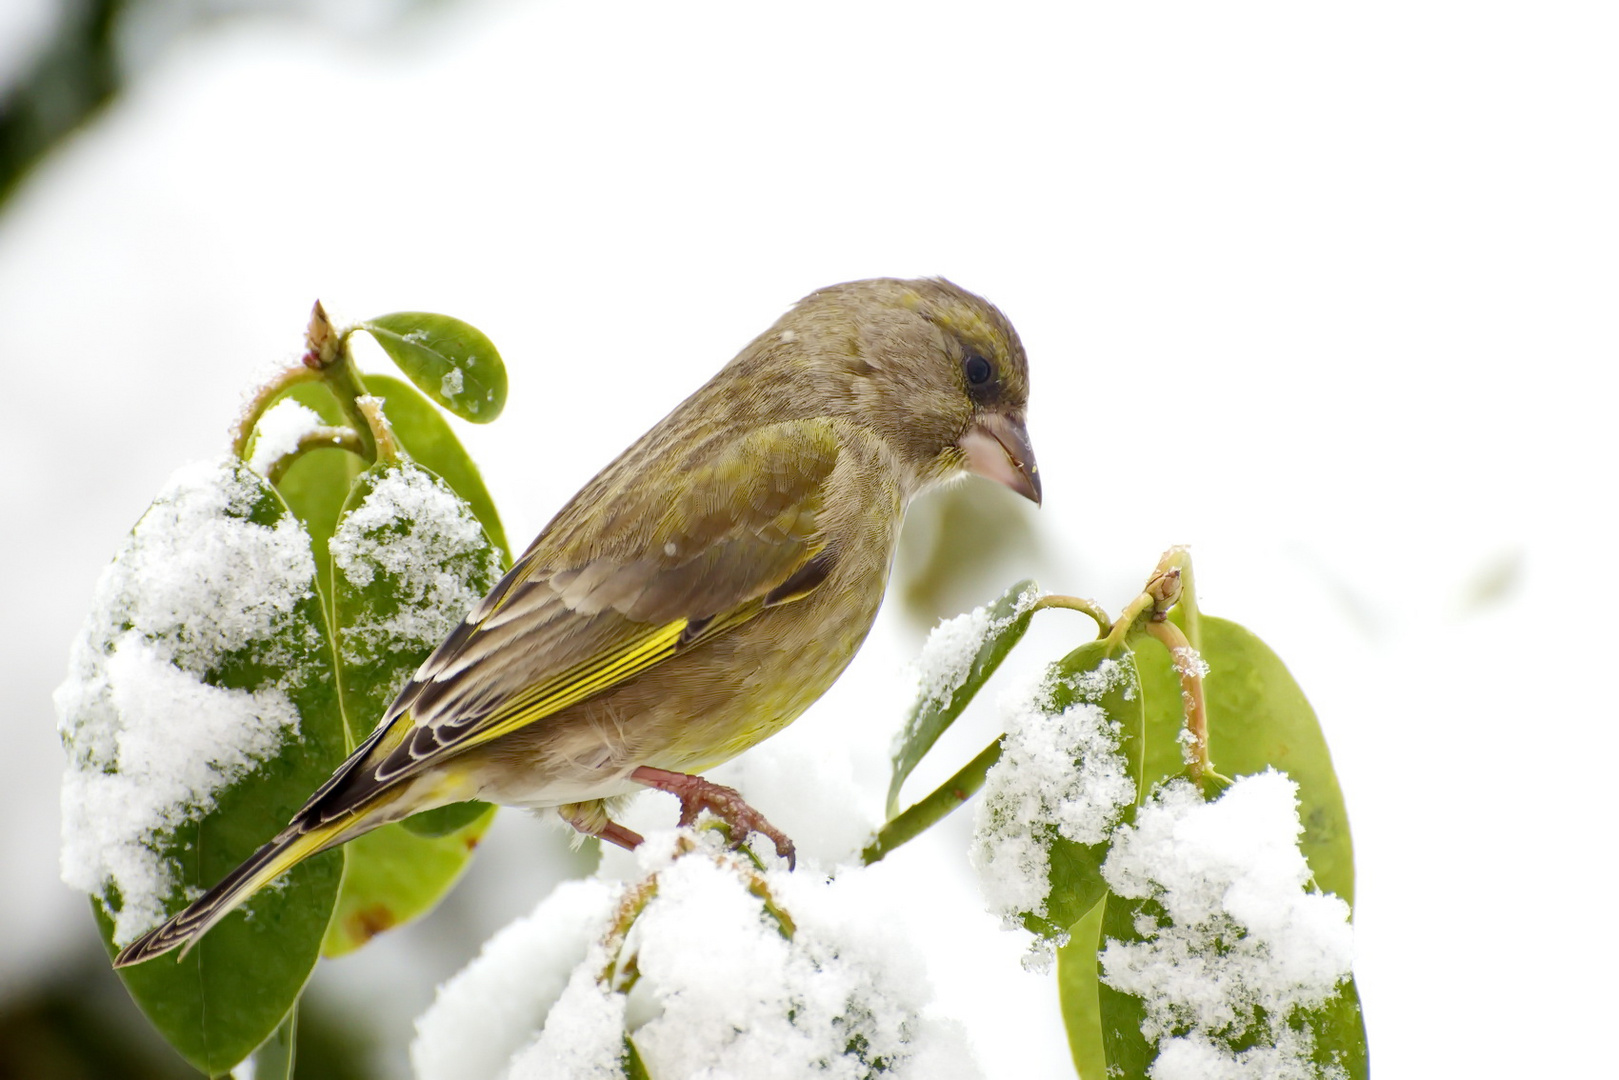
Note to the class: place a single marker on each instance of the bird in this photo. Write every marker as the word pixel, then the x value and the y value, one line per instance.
pixel 697 595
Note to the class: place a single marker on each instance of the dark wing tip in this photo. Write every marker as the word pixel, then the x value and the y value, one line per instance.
pixel 153 943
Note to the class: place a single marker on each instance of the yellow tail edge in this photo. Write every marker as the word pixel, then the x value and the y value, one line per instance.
pixel 262 867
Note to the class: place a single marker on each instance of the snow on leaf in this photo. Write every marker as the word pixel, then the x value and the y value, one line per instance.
pixel 425 540
pixel 197 590
pixel 1232 948
pixel 1060 773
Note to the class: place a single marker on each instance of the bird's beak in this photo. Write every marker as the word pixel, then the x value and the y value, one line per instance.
pixel 997 448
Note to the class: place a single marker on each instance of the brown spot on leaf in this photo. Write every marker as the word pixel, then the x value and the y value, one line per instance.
pixel 368 922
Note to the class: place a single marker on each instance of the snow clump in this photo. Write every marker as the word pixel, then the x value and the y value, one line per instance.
pixel 1060 773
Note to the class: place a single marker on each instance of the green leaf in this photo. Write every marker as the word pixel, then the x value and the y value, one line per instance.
pixel 277 1055
pixel 237 985
pixel 452 363
pixel 390 612
pixel 394 876
pixel 317 484
pixel 1258 718
pixel 1076 884
pixel 1008 620
pixel 1121 1016
pixel 1077 991
pixel 634 1067
pixel 446 819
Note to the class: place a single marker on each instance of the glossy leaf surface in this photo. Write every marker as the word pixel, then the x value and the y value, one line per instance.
pixel 451 362
pixel 1076 990
pixel 432 443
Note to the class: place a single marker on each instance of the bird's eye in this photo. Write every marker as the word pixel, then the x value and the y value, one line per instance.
pixel 978 370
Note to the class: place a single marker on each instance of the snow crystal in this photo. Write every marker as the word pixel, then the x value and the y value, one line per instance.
pixel 1060 773
pixel 278 432
pixel 412 528
pixel 1187 661
pixel 491 1009
pixel 1239 946
pixel 709 985
pixel 149 742
pixel 452 384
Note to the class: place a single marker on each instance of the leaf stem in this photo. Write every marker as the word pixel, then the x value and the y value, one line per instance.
pixel 265 396
pixel 327 351
pixel 1189 666
pixel 344 378
pixel 1077 603
pixel 321 438
pixel 377 427
pixel 924 814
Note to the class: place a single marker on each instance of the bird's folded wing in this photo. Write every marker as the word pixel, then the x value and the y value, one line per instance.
pixel 733 531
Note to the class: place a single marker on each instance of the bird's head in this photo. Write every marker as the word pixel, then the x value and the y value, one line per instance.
pixel 938 372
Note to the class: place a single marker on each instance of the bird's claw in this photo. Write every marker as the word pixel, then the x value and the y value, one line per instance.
pixel 727 804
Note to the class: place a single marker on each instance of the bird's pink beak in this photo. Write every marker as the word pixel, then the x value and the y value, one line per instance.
pixel 997 448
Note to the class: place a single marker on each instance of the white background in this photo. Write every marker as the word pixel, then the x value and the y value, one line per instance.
pixel 1327 293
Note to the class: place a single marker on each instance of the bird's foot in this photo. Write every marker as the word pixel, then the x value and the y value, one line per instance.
pixel 727 804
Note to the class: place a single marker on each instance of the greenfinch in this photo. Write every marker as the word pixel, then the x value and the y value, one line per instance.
pixel 698 594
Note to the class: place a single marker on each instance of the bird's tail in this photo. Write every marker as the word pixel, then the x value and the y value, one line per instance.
pixel 291 846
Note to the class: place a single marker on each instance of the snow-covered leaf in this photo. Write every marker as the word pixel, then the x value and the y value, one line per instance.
pixel 1215 958
pixel 958 658
pixel 409 559
pixel 430 441
pixel 198 715
pixel 1069 770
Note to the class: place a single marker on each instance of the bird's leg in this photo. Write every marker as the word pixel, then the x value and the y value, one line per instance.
pixel 592 820
pixel 696 795
pixel 614 833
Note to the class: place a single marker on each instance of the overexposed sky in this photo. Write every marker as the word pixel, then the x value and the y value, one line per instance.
pixel 1327 294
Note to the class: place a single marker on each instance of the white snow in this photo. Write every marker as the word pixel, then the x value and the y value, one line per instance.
pixel 149 741
pixel 718 988
pixel 409 511
pixel 278 432
pixel 583 1038
pixel 1060 774
pixel 452 383
pixel 1238 933
pixel 487 1012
